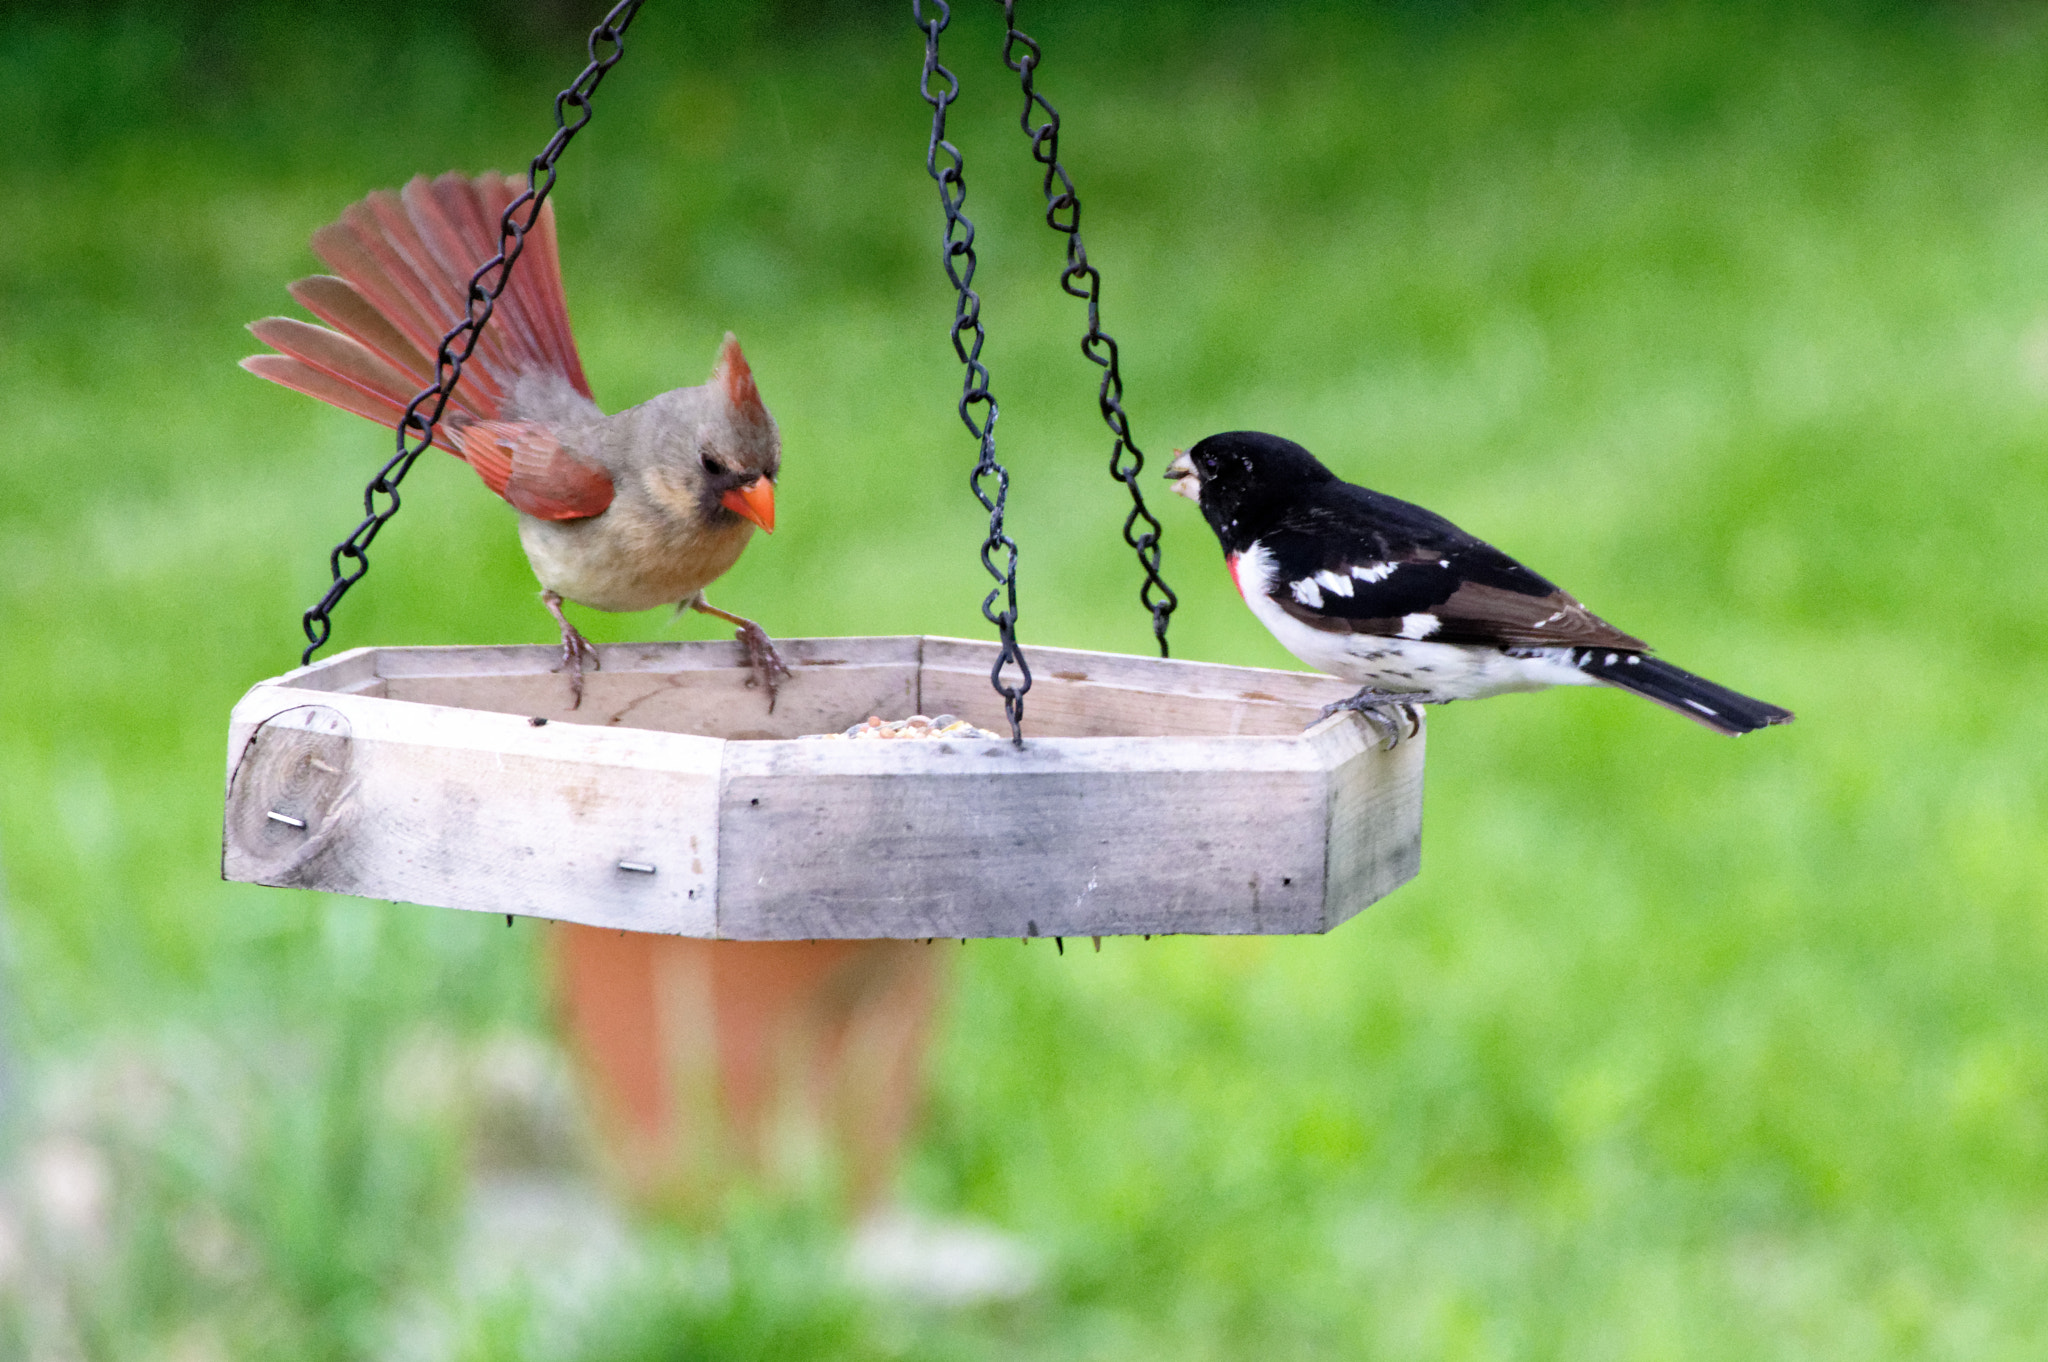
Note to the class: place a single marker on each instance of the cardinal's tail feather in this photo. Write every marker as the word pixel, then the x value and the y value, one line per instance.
pixel 404 263
pixel 344 372
pixel 541 309
pixel 336 302
pixel 1698 699
pixel 300 376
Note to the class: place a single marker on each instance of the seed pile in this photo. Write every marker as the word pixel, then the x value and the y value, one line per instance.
pixel 916 726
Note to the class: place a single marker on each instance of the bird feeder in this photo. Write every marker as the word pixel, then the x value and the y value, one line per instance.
pixel 1152 796
pixel 1155 796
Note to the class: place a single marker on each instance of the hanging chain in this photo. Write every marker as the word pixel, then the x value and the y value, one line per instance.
pixel 974 390
pixel 416 429
pixel 1081 280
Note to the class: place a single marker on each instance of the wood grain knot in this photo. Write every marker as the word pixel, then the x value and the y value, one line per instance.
pixel 295 767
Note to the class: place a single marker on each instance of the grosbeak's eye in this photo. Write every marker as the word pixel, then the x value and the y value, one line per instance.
pixel 712 464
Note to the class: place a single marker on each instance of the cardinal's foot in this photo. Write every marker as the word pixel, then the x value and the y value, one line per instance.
pixel 767 664
pixel 1390 714
pixel 576 649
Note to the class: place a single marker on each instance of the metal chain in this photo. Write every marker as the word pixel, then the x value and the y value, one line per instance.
pixel 1081 280
pixel 967 341
pixel 416 429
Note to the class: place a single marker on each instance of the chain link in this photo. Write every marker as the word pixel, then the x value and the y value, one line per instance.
pixel 1081 280
pixel 967 335
pixel 416 428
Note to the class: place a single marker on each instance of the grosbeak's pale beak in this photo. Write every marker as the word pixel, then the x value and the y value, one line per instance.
pixel 643 508
pixel 1406 604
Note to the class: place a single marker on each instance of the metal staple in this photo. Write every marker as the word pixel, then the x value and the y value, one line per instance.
pixel 416 428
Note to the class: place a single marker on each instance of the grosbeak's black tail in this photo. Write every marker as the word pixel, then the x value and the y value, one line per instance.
pixel 1695 697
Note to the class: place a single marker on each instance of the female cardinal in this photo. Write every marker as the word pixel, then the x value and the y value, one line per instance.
pixel 622 512
pixel 1406 604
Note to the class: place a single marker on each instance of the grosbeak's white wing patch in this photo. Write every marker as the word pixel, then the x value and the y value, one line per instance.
pixel 1452 671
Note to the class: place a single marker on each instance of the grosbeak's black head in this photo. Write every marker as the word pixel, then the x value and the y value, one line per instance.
pixel 1244 481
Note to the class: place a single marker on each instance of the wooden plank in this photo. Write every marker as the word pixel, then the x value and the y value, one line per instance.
pixel 1076 694
pixel 342 672
pixel 696 687
pixel 463 809
pixel 664 656
pixel 444 793
pixel 1069 837
pixel 710 704
pixel 1374 836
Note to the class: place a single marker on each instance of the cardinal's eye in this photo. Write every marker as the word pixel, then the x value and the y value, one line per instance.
pixel 712 464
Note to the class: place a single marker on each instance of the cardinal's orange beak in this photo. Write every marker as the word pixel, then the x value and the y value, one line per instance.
pixel 755 501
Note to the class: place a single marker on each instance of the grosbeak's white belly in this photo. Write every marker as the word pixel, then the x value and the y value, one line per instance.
pixel 1444 671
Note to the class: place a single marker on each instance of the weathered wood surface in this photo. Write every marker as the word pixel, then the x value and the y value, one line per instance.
pixel 464 809
pixel 1150 797
pixel 701 688
pixel 1077 694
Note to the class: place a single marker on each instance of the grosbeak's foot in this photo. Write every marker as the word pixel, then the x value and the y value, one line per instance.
pixel 767 664
pixel 1391 715
pixel 576 649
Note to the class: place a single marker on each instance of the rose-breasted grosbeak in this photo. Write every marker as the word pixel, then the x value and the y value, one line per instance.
pixel 1405 603
pixel 645 507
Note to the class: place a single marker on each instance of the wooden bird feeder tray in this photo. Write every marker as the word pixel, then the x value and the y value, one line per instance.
pixel 1151 796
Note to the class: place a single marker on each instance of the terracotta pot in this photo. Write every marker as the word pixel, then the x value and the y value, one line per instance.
pixel 794 1062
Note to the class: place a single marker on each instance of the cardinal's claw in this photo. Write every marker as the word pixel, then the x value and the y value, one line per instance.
pixel 767 664
pixel 576 649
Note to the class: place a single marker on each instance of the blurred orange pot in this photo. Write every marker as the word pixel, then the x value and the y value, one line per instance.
pixel 794 1062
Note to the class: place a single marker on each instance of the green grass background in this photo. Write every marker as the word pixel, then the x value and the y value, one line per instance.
pixel 1734 318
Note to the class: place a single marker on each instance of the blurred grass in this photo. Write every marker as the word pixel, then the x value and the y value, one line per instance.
pixel 1729 317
